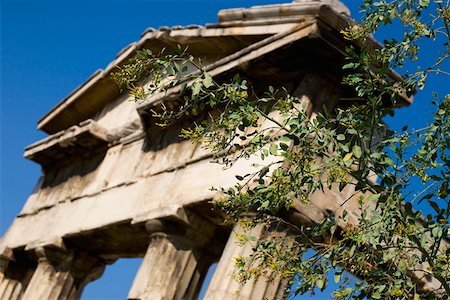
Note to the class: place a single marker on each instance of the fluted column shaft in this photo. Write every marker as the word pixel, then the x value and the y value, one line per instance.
pixel 224 284
pixel 173 268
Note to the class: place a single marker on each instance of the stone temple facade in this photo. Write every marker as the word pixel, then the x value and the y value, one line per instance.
pixel 115 185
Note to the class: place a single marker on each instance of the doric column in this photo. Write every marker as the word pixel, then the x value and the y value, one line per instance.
pixel 173 267
pixel 61 274
pixel 14 276
pixel 224 284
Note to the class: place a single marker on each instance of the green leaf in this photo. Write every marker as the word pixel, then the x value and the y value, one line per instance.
pixel 351 65
pixel 408 207
pixel 196 87
pixel 340 137
pixel 285 139
pixel 320 283
pixel 357 151
pixel 376 295
pixel 352 131
pixel 352 250
pixel 423 240
pixel 435 206
pixel 208 81
pixel 284 146
pixel 273 149
pixel 264 205
pixel 333 229
pixel 373 197
pixel 264 171
pixel 436 232
pixel 348 156
pixel 443 190
pixel 424 3
pixel 387 161
pixel 337 277
pixel 402 265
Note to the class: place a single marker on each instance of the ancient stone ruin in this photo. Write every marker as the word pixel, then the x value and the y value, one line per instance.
pixel 115 185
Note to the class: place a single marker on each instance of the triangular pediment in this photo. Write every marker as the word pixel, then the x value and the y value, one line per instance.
pixel 238 31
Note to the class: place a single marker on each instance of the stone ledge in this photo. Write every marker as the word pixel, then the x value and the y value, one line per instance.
pixel 280 11
pixel 75 141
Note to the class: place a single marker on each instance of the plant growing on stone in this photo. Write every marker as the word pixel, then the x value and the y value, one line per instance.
pixel 398 240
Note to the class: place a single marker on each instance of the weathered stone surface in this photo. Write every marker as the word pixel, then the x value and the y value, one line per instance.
pixel 173 266
pixel 224 284
pixel 67 144
pixel 123 202
pixel 61 273
pixel 278 12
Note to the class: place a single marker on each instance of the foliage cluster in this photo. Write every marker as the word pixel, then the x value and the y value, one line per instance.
pixel 393 245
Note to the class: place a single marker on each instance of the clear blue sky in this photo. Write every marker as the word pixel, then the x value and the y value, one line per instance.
pixel 50 47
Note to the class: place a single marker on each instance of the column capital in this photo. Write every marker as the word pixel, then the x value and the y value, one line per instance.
pixel 61 272
pixel 166 230
pixel 164 226
pixel 6 255
pixel 79 263
pixel 15 274
pixel 177 221
pixel 174 264
pixel 87 267
pixel 54 253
